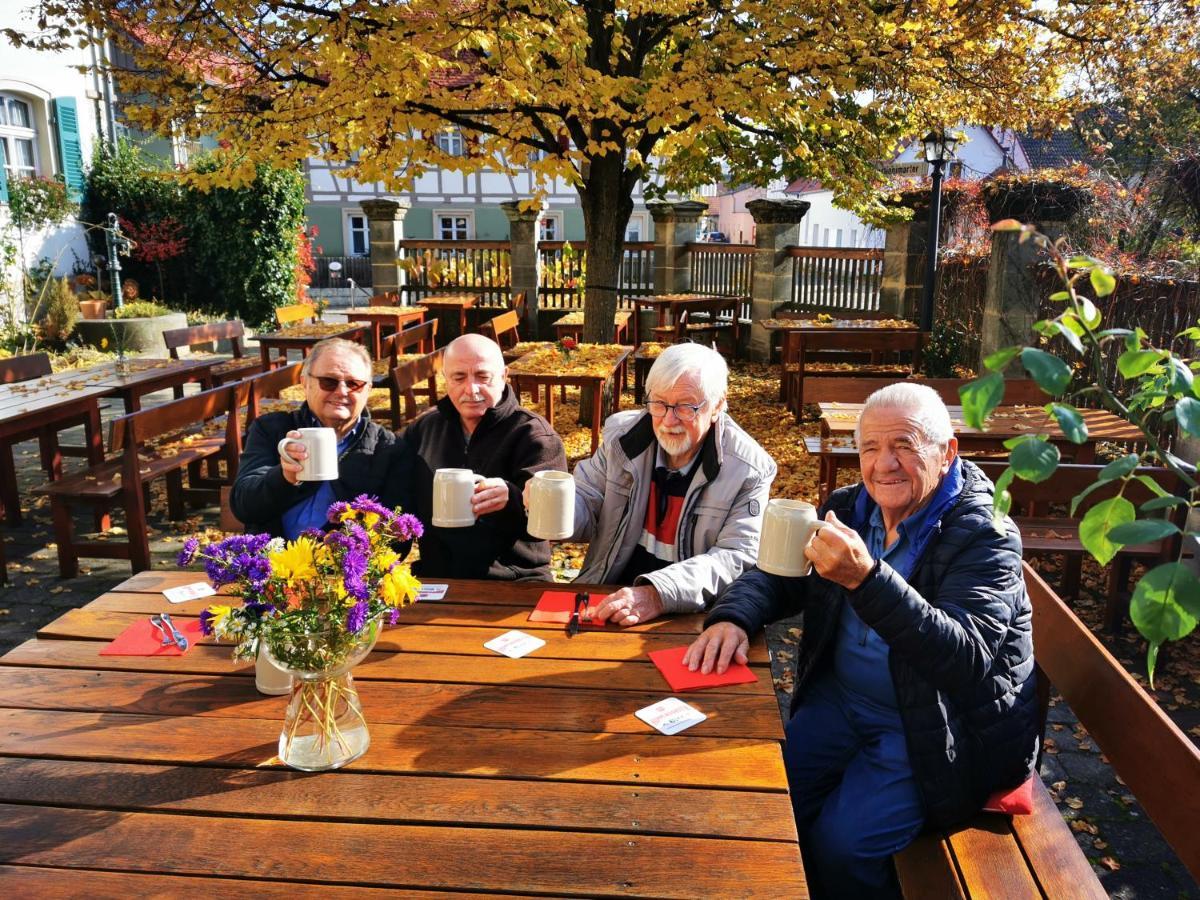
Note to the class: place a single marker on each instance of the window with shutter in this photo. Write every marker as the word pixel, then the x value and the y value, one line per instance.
pixel 70 151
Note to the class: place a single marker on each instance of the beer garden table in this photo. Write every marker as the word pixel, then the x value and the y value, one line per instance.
pixel 378 316
pixel 304 337
pixel 662 304
pixel 571 325
pixel 459 303
pixel 138 776
pixel 594 365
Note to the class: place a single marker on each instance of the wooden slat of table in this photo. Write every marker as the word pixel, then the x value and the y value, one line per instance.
pixel 402 856
pixel 356 796
pixel 40 881
pixel 426 667
pixel 465 637
pixel 743 764
pixel 397 703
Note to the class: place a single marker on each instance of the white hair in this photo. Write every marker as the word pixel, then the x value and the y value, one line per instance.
pixel 350 348
pixel 706 365
pixel 922 401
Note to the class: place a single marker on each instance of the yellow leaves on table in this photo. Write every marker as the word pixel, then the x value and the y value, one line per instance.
pixel 313 330
pixel 586 360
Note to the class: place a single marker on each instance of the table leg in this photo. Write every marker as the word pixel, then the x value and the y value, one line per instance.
pixel 94 446
pixel 637 309
pixel 266 356
pixel 549 403
pixel 462 320
pixel 1086 453
pixel 597 412
pixel 9 494
pixel 376 337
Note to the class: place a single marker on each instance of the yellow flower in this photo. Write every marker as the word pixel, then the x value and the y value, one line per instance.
pixel 217 617
pixel 399 587
pixel 384 558
pixel 296 562
pixel 103 343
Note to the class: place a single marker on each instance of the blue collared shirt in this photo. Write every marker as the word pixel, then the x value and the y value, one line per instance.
pixel 860 659
pixel 313 512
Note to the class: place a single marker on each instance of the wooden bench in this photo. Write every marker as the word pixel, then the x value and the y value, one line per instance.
pixel 1037 855
pixel 824 389
pixel 407 375
pixel 1043 534
pixel 268 385
pixel 125 479
pixel 809 355
pixel 235 368
pixel 702 320
pixel 295 313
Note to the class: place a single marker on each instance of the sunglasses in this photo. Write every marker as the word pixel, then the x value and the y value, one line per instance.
pixel 330 384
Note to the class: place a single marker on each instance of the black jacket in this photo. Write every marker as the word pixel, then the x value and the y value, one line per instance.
pixel 510 442
pixel 373 465
pixel 961 647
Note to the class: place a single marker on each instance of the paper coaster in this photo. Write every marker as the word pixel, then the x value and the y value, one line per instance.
pixel 514 644
pixel 186 592
pixel 670 716
pixel 432 591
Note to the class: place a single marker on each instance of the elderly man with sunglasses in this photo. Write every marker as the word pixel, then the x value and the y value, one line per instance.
pixel 672 502
pixel 268 495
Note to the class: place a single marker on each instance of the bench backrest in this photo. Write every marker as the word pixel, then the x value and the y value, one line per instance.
pixel 518 303
pixel 24 368
pixel 297 312
pixel 135 429
pixel 269 384
pixel 788 311
pixel 391 298
pixel 420 338
pixel 502 329
pixel 818 389
pixel 231 331
pixel 1069 479
pixel 406 376
pixel 900 339
pixel 1154 758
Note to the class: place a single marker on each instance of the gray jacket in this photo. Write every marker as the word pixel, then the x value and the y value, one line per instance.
pixel 721 519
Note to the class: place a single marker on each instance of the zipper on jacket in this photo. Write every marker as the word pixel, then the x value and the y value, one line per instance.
pixel 686 535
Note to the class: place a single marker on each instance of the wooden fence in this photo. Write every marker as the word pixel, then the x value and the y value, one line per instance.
pixel 836 279
pixel 356 267
pixel 564 274
pixel 483 267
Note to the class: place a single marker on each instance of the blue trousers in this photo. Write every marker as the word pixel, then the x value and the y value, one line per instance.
pixel 853 792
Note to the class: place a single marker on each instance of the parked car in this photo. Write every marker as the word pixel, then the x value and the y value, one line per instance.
pixel 714 237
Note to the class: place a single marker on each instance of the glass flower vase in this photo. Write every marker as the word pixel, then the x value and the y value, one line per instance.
pixel 324 727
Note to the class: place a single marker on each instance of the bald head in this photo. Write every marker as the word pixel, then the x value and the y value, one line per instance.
pixel 473 367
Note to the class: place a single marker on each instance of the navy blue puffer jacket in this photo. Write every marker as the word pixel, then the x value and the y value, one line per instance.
pixel 960 639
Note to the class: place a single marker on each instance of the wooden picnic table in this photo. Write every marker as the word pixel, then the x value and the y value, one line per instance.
pixel 304 337
pixel 571 325
pixel 662 304
pixel 158 775
pixel 459 303
pixel 589 365
pixel 835 448
pixel 378 316
pixel 41 406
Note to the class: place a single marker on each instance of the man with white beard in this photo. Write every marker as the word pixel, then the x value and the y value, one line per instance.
pixel 672 503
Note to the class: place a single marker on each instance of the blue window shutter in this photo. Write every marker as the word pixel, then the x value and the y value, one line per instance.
pixel 3 176
pixel 66 120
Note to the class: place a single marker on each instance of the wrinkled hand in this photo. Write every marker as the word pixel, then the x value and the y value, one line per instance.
pixel 491 495
pixel 297 452
pixel 716 647
pixel 629 606
pixel 839 554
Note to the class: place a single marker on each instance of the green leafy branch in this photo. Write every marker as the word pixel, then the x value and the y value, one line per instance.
pixel 1166 600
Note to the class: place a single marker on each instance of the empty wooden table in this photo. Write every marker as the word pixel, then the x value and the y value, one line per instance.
pixel 378 316
pixel 589 365
pixel 139 776
pixel 571 325
pixel 459 303
pixel 304 337
pixel 662 305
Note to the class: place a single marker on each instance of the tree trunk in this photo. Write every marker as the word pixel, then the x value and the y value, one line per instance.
pixel 607 200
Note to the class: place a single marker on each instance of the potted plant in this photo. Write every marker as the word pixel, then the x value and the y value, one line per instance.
pixel 93 304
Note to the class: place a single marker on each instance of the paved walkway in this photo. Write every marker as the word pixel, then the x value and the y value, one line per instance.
pixel 1129 856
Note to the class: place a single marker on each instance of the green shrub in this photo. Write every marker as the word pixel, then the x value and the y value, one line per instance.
pixel 62 312
pixel 943 352
pixel 141 309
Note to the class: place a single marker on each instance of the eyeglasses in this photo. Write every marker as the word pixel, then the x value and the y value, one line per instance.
pixel 684 412
pixel 329 384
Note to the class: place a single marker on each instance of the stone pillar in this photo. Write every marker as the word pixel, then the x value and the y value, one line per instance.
pixel 776 228
pixel 525 264
pixel 1012 298
pixel 675 226
pixel 385 231
pixel 903 282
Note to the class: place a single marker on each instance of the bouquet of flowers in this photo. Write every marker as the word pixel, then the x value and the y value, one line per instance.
pixel 566 346
pixel 331 584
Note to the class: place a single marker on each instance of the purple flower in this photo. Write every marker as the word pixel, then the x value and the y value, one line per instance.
pixel 393 616
pixel 357 617
pixel 406 526
pixel 364 503
pixel 257 609
pixel 354 567
pixel 337 510
pixel 188 553
pixel 206 625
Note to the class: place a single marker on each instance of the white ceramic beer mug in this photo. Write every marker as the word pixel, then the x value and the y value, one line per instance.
pixel 552 506
pixel 787 527
pixel 321 464
pixel 452 490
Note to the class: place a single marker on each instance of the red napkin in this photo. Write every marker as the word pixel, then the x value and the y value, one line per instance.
pixel 142 639
pixel 670 663
pixel 557 606
pixel 1015 802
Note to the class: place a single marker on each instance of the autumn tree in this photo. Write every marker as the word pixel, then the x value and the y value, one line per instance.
pixel 608 94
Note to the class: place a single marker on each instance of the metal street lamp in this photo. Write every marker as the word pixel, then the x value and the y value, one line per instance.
pixel 939 149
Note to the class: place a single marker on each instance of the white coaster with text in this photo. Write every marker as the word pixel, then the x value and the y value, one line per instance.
pixel 432 591
pixel 187 592
pixel 514 644
pixel 670 716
